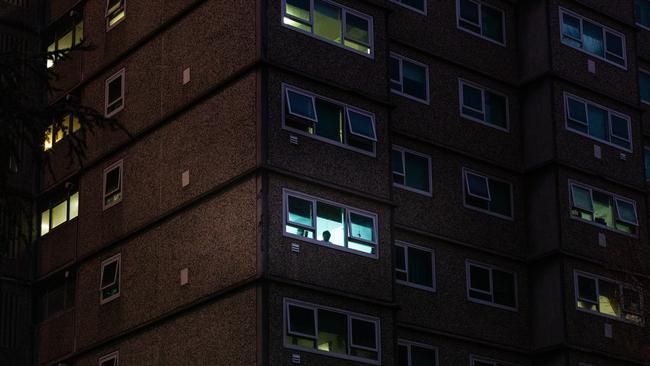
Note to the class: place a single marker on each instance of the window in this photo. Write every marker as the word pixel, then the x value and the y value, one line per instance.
pixel 328 120
pixel 415 354
pixel 115 12
pixel 333 332
pixel 491 286
pixel 112 359
pixel 480 361
pixel 113 185
pixel 646 155
pixel 330 224
pixel 487 194
pixel 65 34
pixel 607 297
pixel 331 22
pixel 419 6
pixel 57 296
pixel 592 38
pixel 411 170
pixel 56 132
pixel 642 12
pixel 484 106
pixel 409 78
pixel 414 266
pixel 109 287
pixel 597 122
pixel 482 20
pixel 644 86
pixel 114 92
pixel 603 208
pixel 58 210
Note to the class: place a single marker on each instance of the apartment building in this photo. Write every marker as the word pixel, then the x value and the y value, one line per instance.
pixel 349 182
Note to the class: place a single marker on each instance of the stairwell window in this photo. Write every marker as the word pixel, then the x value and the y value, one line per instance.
pixel 487 194
pixel 111 359
pixel 58 210
pixel 603 208
pixel 411 170
pixel 63 35
pixel 593 38
pixel 491 286
pixel 331 22
pixel 482 20
pixel 609 298
pixel 415 266
pixel 483 105
pixel 56 132
pixel 597 122
pixel 114 94
pixel 115 12
pixel 409 78
pixel 416 354
pixel 109 288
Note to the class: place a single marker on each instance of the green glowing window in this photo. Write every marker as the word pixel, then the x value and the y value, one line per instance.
pixel 115 12
pixel 331 331
pixel 331 22
pixel 484 106
pixel 607 297
pixel 330 224
pixel 414 266
pixel 411 170
pixel 409 78
pixel 63 35
pixel 482 20
pixel 487 194
pixel 491 286
pixel 329 120
pixel 602 208
pixel 112 359
pixel 110 279
pixel 59 212
pixel 414 354
pixel 113 184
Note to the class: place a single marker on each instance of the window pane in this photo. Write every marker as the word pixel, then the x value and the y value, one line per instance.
pixel 477 186
pixel 496 109
pixel 402 355
pixel 609 298
pixel 582 198
pixel 74 205
pixel 109 362
pixel 45 222
pixel 330 224
pixel 298 9
pixel 60 214
pixel 330 120
pixel 417 4
pixel 603 209
pixel 79 33
pixel 363 333
pixel 500 198
pixel 112 180
pixel 592 38
pixel 414 82
pixel 300 211
pixel 626 211
pixel 632 301
pixel 417 171
pixel 361 124
pixel 587 288
pixel 619 128
pixel 614 44
pixel 479 278
pixel 422 356
pixel 646 153
pixel 571 27
pixel 357 29
pixel 472 97
pixel 327 21
pixel 396 156
pixel 504 288
pixel 361 227
pixel 65 42
pixel 492 23
pixel 469 11
pixel 394 70
pixel 597 122
pixel 577 110
pixel 642 11
pixel 332 332
pixel 420 270
pixel 114 90
pixel 109 275
pixel 400 258
pixel 301 105
pixel 644 85
pixel 56 300
pixel 301 320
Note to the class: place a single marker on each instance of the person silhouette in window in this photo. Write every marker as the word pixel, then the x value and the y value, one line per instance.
pixel 326 236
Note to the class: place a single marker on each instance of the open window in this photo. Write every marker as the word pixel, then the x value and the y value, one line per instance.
pixel 115 12
pixel 110 279
pixel 603 208
pixel 608 298
pixel 113 184
pixel 114 94
pixel 111 359
pixel 487 194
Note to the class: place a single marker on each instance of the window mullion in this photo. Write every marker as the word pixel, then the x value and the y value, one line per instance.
pixel 406 263
pixel 491 286
pixel 597 293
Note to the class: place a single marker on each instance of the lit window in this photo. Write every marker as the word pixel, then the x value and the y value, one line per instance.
pixel 481 361
pixel 55 132
pixel 642 12
pixel 114 94
pixel 599 123
pixel 329 120
pixel 482 20
pixel 330 331
pixel 590 37
pixel 411 170
pixel 414 266
pixel 59 211
pixel 113 184
pixel 419 6
pixel 483 105
pixel 115 12
pixel 409 78
pixel 607 297
pixel 331 22
pixel 109 287
pixel 487 194
pixel 112 359
pixel 644 86
pixel 603 208
pixel 330 224
pixel 65 34
pixel 415 354
pixel 491 286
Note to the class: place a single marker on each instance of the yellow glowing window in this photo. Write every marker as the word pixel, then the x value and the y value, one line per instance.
pixel 59 213
pixel 115 12
pixel 64 35
pixel 607 297
pixel 45 222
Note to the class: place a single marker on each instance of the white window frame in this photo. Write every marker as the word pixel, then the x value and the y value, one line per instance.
pixel 609 111
pixel 406 245
pixel 614 198
pixel 473 358
pixel 286 302
pixel 400 59
pixel 643 71
pixel 119 165
pixel 481 4
pixel 120 74
pixel 472 263
pixel 106 16
pixel 408 344
pixel 344 11
pixel 621 286
pixel 421 11
pixel 605 30
pixel 116 258
pixel 285 208
pixel 346 108
pixel 464 181
pixel 402 151
pixel 111 356
pixel 463 82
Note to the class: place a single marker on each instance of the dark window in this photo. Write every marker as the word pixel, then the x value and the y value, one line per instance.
pixel 487 194
pixel 414 265
pixel 409 78
pixel 411 170
pixel 481 19
pixel 490 285
pixel 110 279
